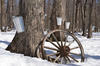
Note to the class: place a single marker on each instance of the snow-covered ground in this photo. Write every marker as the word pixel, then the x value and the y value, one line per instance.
pixel 91 48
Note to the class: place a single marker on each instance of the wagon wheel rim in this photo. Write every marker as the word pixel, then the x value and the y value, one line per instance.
pixel 62 52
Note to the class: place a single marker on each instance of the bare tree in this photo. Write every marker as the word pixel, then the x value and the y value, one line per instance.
pixel 9 14
pixel 90 20
pixel 73 16
pixel 0 15
pixel 96 19
pixel 83 16
pixel 27 41
pixel 76 15
pixel 3 15
pixel 59 9
pixel 53 15
pixel 48 12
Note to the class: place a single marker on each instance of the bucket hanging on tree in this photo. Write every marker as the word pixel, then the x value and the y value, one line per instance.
pixel 18 23
pixel 67 25
pixel 59 21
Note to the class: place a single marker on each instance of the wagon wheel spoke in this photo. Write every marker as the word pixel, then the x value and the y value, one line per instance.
pixel 52 43
pixel 75 54
pixel 57 58
pixel 63 60
pixel 74 48
pixel 68 59
pixel 55 39
pixel 73 58
pixel 50 48
pixel 52 54
pixel 70 43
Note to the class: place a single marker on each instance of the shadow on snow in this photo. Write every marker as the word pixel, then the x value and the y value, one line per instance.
pixel 92 56
pixel 5 42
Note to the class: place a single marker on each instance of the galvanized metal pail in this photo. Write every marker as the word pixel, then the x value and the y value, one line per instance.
pixel 18 23
pixel 59 20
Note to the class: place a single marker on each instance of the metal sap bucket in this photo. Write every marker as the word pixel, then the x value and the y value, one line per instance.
pixel 67 24
pixel 59 20
pixel 18 23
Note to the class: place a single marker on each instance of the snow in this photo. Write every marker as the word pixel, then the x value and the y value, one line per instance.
pixel 91 49
pixel 12 59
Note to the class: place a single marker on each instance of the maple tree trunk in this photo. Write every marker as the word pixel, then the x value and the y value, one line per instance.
pixel 27 41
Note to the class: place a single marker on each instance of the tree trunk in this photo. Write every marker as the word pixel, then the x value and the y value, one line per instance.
pixel 73 16
pixel 0 15
pixel 27 41
pixel 96 21
pixel 59 9
pixel 56 7
pixel 9 14
pixel 67 13
pixel 83 16
pixel 3 16
pixel 90 21
pixel 76 15
pixel 48 12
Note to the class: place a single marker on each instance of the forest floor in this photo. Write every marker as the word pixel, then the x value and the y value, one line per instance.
pixel 91 49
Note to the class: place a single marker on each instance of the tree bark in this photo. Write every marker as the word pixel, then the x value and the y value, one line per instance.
pixel 76 15
pixel 48 12
pixel 90 21
pixel 96 21
pixel 26 42
pixel 59 9
pixel 83 16
pixel 73 16
pixel 0 15
pixel 3 16
pixel 56 7
pixel 9 14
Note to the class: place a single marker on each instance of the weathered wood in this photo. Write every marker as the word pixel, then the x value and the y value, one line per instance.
pixel 56 52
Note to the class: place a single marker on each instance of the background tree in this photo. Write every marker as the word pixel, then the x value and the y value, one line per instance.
pixel 76 14
pixel 3 16
pixel 91 3
pixel 0 15
pixel 83 17
pixel 58 10
pixel 10 13
pixel 48 12
pixel 97 24
pixel 95 15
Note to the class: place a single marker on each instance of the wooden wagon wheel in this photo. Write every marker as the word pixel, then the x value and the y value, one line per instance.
pixel 61 47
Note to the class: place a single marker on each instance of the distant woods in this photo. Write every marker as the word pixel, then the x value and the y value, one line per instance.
pixel 8 8
pixel 84 15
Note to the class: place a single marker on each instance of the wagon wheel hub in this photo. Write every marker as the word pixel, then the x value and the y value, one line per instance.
pixel 64 51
